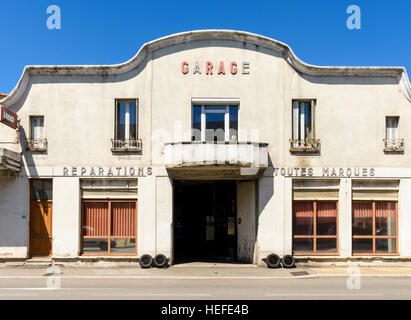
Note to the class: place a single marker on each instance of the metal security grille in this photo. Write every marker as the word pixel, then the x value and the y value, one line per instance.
pixel 109 227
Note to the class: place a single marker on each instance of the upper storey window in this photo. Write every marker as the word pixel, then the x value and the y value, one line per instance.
pixel 37 141
pixel 125 132
pixel 392 143
pixel 303 129
pixel 215 123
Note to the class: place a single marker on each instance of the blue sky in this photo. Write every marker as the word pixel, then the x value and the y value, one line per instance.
pixel 108 32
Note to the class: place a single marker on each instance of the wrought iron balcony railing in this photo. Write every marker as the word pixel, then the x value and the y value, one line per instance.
pixel 37 144
pixel 307 145
pixel 394 145
pixel 130 145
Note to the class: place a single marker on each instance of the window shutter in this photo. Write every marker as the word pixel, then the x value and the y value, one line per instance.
pixel 41 128
pixel 295 120
pixel 313 106
pixel 302 121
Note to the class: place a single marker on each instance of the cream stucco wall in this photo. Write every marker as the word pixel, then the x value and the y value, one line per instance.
pixel 78 108
pixel 14 217
pixel 66 217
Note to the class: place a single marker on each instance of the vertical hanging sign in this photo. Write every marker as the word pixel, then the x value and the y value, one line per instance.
pixel 8 117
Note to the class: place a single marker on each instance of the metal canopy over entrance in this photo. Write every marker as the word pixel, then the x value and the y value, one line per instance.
pixel 205 221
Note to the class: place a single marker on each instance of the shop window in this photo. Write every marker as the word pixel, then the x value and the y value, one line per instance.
pixel 374 227
pixel 303 129
pixel 215 123
pixel 126 126
pixel 37 140
pixel 109 227
pixel 315 227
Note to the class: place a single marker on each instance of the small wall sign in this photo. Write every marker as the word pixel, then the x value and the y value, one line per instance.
pixel 325 172
pixel 106 171
pixel 8 117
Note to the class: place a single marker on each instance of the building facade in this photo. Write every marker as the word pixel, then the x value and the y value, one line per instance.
pixel 207 145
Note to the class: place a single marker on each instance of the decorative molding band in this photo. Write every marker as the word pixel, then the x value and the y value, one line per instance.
pixel 204 35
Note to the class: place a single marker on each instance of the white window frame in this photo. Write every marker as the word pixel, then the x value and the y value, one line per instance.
pixel 40 132
pixel 298 119
pixel 126 118
pixel 395 133
pixel 226 113
pixel 204 113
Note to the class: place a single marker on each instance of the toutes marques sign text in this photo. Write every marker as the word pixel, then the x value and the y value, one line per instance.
pixel 324 172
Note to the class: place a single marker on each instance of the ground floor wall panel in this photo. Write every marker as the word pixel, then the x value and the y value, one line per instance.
pixel 270 229
pixel 66 217
pixel 14 216
pixel 404 217
pixel 146 228
pixel 345 218
pixel 246 222
pixel 164 216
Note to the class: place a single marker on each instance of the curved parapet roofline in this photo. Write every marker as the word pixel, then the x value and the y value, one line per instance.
pixel 203 35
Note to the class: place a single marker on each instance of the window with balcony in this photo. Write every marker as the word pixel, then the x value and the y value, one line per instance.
pixel 37 141
pixel 126 127
pixel 303 130
pixel 392 143
pixel 215 123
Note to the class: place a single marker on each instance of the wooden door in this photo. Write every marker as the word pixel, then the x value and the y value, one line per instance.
pixel 40 228
pixel 41 219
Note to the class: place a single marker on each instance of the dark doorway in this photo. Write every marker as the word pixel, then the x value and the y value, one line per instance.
pixel 205 221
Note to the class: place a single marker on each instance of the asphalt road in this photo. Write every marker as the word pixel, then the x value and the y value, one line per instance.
pixel 334 288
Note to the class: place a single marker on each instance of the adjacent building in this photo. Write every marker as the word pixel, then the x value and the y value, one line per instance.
pixel 207 145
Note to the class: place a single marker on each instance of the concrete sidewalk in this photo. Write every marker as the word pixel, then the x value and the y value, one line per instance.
pixel 186 272
pixel 198 271
pixel 363 270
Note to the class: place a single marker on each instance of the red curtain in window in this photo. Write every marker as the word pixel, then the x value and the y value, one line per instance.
pixel 95 219
pixel 123 219
pixel 327 211
pixel 385 209
pixel 303 209
pixel 362 209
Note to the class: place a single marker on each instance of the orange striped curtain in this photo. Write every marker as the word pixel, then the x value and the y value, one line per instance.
pixel 326 209
pixel 123 219
pixel 385 209
pixel 326 212
pixel 303 209
pixel 95 219
pixel 362 209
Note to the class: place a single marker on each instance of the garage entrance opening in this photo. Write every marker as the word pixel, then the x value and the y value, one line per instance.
pixel 205 221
